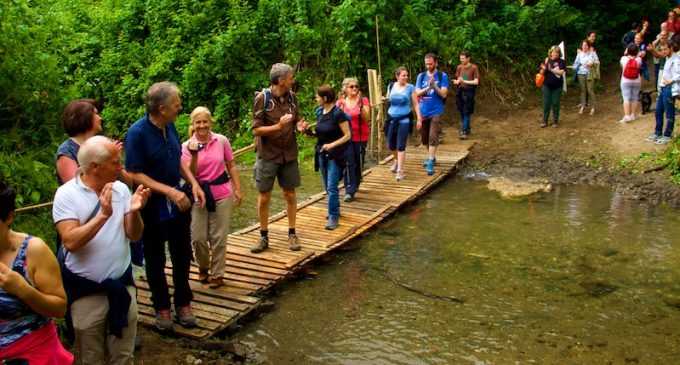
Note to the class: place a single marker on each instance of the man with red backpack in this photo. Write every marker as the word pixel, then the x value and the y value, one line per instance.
pixel 630 82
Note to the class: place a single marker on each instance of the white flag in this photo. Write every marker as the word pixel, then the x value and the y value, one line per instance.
pixel 564 79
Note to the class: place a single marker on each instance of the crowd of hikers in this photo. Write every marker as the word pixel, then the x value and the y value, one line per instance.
pixel 182 193
pixel 637 44
pixel 109 216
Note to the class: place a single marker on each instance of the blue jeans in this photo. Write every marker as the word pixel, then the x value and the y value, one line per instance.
pixel 665 103
pixel 331 173
pixel 645 71
pixel 466 123
pixel 356 153
pixel 657 67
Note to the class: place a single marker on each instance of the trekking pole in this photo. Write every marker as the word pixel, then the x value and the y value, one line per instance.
pixel 379 115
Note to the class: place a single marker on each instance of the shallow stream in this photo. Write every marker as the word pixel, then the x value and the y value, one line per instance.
pixel 580 275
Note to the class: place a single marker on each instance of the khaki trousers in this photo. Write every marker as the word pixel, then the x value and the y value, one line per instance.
pixel 90 315
pixel 209 232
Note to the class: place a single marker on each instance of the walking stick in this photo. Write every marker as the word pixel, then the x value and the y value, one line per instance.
pixel 379 115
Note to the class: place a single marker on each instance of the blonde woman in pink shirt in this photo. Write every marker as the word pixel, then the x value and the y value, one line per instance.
pixel 211 160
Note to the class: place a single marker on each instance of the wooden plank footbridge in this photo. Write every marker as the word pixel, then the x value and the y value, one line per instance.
pixel 248 275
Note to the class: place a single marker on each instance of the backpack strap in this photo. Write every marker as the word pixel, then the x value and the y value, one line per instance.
pixel 222 139
pixel 262 113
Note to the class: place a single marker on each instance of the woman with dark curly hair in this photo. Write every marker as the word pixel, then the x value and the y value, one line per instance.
pixel 333 136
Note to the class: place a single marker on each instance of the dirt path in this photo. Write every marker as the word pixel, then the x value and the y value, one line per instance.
pixel 591 149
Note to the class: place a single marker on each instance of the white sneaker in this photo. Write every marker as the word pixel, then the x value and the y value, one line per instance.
pixel 652 138
pixel 625 119
pixel 394 168
pixel 663 140
pixel 631 117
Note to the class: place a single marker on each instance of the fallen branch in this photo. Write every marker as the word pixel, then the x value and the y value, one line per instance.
pixel 656 168
pixel 416 290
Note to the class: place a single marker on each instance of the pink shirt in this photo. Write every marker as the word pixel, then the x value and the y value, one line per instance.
pixel 211 163
pixel 360 132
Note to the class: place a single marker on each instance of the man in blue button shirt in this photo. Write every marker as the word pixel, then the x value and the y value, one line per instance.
pixel 153 151
pixel 432 86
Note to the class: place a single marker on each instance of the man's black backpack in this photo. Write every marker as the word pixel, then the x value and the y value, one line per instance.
pixel 269 103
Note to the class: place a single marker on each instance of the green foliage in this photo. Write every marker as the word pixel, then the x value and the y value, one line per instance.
pixel 219 53
pixel 673 157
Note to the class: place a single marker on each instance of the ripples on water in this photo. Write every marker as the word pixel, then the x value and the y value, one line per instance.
pixel 578 276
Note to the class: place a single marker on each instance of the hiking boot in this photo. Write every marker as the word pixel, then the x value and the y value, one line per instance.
pixel 663 140
pixel 463 135
pixel 400 176
pixel 261 245
pixel 430 167
pixel 556 124
pixel 164 320
pixel 348 198
pixel 434 161
pixel 544 124
pixel 185 317
pixel 332 223
pixel 215 283
pixel 652 138
pixel 293 242
pixel 203 275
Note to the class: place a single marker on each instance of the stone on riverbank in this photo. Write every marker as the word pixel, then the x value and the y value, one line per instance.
pixel 514 190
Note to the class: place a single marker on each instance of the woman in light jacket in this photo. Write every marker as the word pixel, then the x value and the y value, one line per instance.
pixel 585 61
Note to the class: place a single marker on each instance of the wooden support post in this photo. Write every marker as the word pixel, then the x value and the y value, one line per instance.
pixel 375 98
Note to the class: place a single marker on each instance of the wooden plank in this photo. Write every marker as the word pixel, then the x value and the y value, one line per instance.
pixel 247 274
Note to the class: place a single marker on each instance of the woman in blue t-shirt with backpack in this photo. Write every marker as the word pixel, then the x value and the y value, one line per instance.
pixel 630 82
pixel 403 105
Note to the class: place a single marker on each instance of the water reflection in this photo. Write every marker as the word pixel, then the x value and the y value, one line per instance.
pixel 577 276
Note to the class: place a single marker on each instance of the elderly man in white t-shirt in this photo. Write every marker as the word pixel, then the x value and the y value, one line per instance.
pixel 96 217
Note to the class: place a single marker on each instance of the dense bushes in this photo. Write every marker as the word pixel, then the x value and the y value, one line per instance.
pixel 219 52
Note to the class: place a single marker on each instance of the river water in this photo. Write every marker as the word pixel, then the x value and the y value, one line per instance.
pixel 580 275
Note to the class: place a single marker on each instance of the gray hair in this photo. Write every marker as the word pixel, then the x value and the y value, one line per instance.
pixel 160 94
pixel 347 80
pixel 96 149
pixel 279 70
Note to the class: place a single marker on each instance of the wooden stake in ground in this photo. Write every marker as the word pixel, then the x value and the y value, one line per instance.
pixel 375 99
